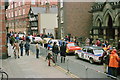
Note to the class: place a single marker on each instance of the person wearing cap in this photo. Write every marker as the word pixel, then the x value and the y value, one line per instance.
pixel 113 63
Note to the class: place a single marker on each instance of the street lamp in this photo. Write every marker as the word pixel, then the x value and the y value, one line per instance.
pixel 14 14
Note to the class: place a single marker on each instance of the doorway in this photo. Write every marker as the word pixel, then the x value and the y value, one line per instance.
pixel 110 32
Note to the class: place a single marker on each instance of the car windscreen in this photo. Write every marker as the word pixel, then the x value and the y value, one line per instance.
pixel 98 51
pixel 71 44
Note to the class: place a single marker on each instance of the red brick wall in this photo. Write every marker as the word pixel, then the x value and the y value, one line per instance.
pixel 22 17
pixel 3 48
pixel 77 19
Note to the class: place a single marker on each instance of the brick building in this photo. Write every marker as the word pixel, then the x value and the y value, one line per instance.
pixel 3 47
pixel 17 14
pixel 74 18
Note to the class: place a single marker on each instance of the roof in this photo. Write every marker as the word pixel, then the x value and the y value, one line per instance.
pixel 92 47
pixel 37 10
pixel 70 42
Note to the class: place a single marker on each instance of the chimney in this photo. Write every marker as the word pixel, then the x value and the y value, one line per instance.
pixel 47 7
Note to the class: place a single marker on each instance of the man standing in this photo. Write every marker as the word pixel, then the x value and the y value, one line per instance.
pixel 16 48
pixel 63 52
pixel 12 40
pixel 98 43
pixel 55 51
pixel 114 63
pixel 27 47
pixel 37 51
pixel 21 47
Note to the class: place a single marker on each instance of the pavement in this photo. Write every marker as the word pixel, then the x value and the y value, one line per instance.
pixel 30 67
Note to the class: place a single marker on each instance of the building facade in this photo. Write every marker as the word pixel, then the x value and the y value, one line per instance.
pixel 17 14
pixel 60 19
pixel 3 31
pixel 106 21
pixel 40 19
pixel 74 18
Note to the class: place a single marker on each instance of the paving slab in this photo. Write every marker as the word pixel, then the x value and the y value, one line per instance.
pixel 30 67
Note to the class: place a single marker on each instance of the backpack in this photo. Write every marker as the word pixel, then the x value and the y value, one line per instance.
pixel 27 46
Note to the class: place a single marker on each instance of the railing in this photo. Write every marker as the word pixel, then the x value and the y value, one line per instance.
pixel 3 75
pixel 78 69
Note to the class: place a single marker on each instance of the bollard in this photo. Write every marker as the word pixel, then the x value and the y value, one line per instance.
pixel 67 66
pixel 86 68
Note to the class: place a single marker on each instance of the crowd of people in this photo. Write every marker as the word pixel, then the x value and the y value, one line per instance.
pixel 110 57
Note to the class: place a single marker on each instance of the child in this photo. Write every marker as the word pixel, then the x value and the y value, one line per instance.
pixel 49 57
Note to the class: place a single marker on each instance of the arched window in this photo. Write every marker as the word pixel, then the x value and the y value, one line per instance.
pixel 110 32
pixel 99 25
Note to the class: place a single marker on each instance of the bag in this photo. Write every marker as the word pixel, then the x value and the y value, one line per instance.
pixel 106 59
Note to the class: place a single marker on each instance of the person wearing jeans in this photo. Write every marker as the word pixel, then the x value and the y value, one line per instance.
pixel 21 47
pixel 37 51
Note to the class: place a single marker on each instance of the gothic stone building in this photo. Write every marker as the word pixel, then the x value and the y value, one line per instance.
pixel 106 21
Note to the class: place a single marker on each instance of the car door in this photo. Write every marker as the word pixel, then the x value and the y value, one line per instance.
pixel 83 52
pixel 89 53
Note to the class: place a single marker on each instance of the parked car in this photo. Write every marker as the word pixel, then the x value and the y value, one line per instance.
pixel 91 53
pixel 47 39
pixel 37 39
pixel 72 47
pixel 31 38
pixel 21 36
pixel 53 40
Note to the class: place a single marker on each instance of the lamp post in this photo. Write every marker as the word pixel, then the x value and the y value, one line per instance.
pixel 14 14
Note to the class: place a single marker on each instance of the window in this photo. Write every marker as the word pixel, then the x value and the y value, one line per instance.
pixel 19 12
pixel 23 11
pixel 11 5
pixel 23 2
pixel 99 51
pixel 84 49
pixel 71 44
pixel 19 3
pixel 90 51
pixel 15 4
pixel 12 14
pixel 16 23
pixel 10 24
pixel 33 2
pixel 15 13
pixel 6 14
pixel 9 15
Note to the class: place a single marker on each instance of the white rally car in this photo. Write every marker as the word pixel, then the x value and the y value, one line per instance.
pixel 90 53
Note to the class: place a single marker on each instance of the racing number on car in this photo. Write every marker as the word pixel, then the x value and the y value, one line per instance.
pixel 82 55
pixel 85 56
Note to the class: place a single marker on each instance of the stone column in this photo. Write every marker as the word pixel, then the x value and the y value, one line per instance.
pixel 116 34
pixel 3 43
pixel 104 33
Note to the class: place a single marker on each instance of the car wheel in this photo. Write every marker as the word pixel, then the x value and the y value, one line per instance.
pixel 91 60
pixel 76 56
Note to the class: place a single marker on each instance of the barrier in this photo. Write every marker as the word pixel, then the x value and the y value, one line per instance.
pixel 76 68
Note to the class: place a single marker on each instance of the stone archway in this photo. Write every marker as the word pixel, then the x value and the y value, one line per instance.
pixel 110 31
pixel 119 28
pixel 100 30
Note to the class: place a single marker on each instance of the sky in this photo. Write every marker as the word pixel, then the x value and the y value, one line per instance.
pixel 73 0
